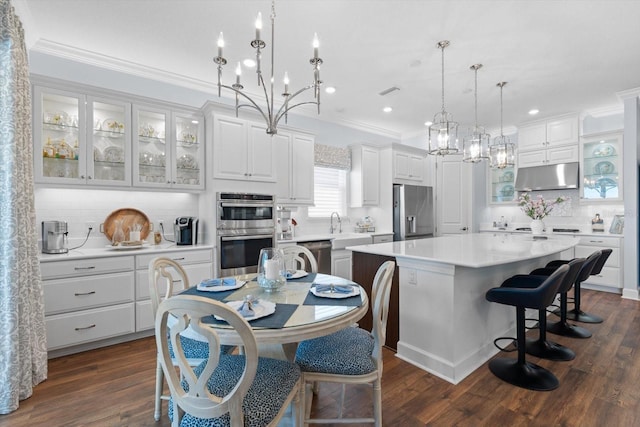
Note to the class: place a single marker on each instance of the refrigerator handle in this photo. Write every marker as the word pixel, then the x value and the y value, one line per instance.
pixel 411 220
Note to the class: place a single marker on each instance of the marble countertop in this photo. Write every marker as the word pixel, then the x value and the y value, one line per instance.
pixel 328 236
pixel 473 250
pixel 109 252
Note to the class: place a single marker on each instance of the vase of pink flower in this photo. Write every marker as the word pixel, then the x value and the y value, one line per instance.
pixel 537 209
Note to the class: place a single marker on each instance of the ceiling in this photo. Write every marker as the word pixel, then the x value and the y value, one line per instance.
pixel 557 56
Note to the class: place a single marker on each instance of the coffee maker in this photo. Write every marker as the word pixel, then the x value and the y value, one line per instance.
pixel 185 230
pixel 54 237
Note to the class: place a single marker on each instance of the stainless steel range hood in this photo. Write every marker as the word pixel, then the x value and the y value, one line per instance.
pixel 549 177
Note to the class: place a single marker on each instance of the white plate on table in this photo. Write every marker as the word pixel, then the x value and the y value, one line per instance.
pixel 214 285
pixel 356 291
pixel 261 309
pixel 296 274
pixel 130 247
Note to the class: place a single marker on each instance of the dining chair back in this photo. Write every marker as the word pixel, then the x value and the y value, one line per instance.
pixel 166 278
pixel 351 355
pixel 295 253
pixel 224 389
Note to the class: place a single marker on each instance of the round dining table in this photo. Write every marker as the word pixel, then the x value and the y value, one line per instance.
pixel 312 316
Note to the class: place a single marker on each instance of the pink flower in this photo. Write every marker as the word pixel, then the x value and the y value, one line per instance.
pixel 538 208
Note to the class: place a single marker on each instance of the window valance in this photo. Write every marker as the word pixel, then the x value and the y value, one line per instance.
pixel 332 157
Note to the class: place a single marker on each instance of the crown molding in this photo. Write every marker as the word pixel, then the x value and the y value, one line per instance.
pixel 608 110
pixel 629 93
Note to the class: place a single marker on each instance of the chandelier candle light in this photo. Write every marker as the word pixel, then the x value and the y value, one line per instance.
pixel 502 151
pixel 271 116
pixel 443 133
pixel 476 144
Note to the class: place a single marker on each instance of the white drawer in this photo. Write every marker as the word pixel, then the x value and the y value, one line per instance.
pixel 196 274
pixel 183 257
pixel 585 251
pixel 608 277
pixel 605 242
pixel 84 267
pixel 80 293
pixel 144 316
pixel 64 330
pixel 383 238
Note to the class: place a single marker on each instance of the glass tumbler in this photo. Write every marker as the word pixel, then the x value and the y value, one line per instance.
pixel 271 269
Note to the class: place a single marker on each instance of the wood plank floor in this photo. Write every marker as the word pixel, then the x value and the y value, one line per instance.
pixel 114 386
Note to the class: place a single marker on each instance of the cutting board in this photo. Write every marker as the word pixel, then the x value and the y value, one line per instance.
pixel 129 217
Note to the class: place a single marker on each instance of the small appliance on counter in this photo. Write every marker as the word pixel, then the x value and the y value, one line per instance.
pixel 284 230
pixel 185 230
pixel 54 237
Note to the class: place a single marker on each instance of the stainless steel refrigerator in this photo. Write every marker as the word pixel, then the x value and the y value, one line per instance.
pixel 413 215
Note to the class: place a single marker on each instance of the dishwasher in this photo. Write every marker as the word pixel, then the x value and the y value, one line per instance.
pixel 321 249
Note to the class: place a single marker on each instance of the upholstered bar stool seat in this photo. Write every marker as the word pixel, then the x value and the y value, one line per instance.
pixel 518 371
pixel 542 347
pixel 576 313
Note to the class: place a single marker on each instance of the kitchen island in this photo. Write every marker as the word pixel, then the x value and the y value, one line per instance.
pixel 445 324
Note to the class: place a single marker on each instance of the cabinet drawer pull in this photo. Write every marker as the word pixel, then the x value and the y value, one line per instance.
pixel 178 259
pixel 84 293
pixel 86 327
pixel 84 268
pixel 596 241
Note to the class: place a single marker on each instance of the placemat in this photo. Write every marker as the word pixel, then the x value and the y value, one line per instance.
pixel 276 320
pixel 309 278
pixel 218 296
pixel 354 301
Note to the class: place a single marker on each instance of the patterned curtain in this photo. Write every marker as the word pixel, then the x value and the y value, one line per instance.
pixel 23 347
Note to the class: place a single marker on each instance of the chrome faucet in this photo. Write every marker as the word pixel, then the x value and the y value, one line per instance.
pixel 332 228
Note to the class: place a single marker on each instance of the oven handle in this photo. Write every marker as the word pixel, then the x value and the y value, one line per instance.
pixel 252 237
pixel 245 205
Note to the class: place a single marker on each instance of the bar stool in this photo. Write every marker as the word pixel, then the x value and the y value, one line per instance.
pixel 518 371
pixel 576 313
pixel 542 347
pixel 563 327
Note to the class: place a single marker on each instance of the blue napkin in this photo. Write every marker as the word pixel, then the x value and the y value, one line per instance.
pixel 343 289
pixel 246 310
pixel 217 282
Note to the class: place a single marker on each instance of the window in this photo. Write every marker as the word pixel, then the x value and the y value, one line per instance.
pixel 330 192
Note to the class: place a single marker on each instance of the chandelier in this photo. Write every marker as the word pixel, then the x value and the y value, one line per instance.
pixel 476 144
pixel 271 116
pixel 443 133
pixel 502 150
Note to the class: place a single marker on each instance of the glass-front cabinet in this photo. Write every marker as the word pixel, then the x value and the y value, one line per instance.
pixel 601 168
pixel 502 185
pixel 169 148
pixel 72 142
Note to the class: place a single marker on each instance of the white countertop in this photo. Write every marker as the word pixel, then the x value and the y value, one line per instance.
pixel 472 250
pixel 328 236
pixel 108 252
pixel 549 232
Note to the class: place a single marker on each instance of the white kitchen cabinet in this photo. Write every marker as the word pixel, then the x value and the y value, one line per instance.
pixel 294 168
pixel 198 264
pixel 408 167
pixel 168 148
pixel 453 184
pixel 549 142
pixel 242 150
pixel 601 167
pixel 365 176
pixel 610 278
pixel 81 139
pixel 341 263
pixel 382 238
pixel 502 185
pixel 88 300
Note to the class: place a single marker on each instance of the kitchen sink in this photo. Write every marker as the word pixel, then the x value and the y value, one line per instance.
pixel 341 241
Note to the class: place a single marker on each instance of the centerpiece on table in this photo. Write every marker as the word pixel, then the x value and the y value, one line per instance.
pixel 537 209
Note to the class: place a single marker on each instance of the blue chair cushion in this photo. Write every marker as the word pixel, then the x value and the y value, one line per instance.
pixel 194 349
pixel 346 352
pixel 273 383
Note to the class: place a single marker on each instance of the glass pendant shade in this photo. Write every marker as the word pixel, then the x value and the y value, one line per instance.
pixel 443 133
pixel 476 144
pixel 502 151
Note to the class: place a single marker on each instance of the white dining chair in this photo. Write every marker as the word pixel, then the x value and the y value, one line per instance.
pixel 166 277
pixel 225 389
pixel 295 253
pixel 349 356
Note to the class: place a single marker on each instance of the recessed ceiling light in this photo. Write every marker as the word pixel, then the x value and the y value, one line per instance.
pixel 250 63
pixel 330 89
pixel 533 112
pixel 387 109
pixel 428 123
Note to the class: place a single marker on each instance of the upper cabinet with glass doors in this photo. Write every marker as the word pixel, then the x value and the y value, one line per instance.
pixel 502 185
pixel 601 170
pixel 81 140
pixel 169 148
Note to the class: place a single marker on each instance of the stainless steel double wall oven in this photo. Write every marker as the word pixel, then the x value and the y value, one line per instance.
pixel 245 224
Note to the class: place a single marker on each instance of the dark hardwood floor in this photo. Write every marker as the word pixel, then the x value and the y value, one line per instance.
pixel 114 386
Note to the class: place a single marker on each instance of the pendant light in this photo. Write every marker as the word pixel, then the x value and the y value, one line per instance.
pixel 476 144
pixel 502 151
pixel 443 133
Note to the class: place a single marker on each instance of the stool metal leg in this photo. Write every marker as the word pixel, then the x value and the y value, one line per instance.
pixel 579 315
pixel 563 327
pixel 518 371
pixel 547 349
